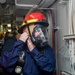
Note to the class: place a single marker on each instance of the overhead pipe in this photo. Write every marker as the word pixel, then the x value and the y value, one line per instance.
pixel 41 3
pixel 28 5
pixel 46 8
pixel 24 5
pixel 35 7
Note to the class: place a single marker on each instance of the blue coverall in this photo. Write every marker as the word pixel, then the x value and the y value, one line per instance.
pixel 37 62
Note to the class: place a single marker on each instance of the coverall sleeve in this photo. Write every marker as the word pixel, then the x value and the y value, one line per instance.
pixel 45 61
pixel 7 45
pixel 9 58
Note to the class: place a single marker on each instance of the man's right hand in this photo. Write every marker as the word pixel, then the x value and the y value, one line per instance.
pixel 24 36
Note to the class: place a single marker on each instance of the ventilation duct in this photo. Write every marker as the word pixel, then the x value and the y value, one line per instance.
pixel 30 3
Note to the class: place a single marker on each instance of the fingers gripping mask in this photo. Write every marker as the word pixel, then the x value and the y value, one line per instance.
pixel 38 37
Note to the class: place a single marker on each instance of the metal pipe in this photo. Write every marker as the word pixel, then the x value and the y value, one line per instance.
pixel 41 3
pixel 33 7
pixel 23 5
pixel 45 8
pixel 28 5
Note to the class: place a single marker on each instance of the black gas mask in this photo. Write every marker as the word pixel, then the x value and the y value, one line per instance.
pixel 38 36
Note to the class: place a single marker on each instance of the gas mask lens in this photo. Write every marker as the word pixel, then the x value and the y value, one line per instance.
pixel 38 36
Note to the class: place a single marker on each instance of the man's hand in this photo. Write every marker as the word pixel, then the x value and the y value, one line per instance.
pixel 24 36
pixel 31 46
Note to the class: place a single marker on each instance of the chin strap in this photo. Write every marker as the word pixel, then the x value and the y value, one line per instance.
pixel 29 30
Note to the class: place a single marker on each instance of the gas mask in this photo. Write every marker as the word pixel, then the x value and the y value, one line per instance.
pixel 38 36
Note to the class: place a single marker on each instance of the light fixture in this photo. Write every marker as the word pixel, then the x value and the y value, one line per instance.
pixel 9 30
pixel 8 25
